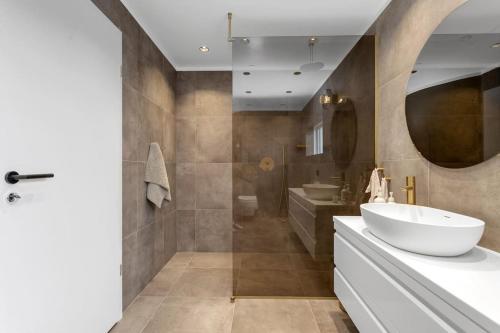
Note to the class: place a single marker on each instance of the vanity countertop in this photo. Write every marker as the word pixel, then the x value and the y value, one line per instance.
pixel 470 283
pixel 317 203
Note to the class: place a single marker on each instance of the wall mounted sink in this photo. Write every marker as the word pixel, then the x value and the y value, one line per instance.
pixel 422 230
pixel 320 191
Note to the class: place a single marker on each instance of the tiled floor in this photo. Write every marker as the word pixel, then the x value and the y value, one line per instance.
pixel 191 294
pixel 270 260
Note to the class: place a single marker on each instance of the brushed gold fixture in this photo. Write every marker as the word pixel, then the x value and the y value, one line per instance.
pixel 230 38
pixel 331 98
pixel 301 146
pixel 410 189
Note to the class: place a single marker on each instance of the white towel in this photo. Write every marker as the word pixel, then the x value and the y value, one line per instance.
pixel 374 186
pixel 156 176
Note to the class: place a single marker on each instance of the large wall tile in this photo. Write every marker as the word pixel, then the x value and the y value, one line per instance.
pixel 129 197
pixel 214 93
pixel 186 139
pixel 214 139
pixel 214 230
pixel 185 230
pixel 214 185
pixel 148 116
pixel 186 185
pixel 185 104
pixel 170 234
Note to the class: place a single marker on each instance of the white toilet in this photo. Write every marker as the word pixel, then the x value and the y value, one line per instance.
pixel 247 205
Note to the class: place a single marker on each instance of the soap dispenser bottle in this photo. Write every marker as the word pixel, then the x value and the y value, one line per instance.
pixel 345 194
pixel 379 198
pixel 391 199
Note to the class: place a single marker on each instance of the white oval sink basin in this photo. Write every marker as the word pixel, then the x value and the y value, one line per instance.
pixel 320 191
pixel 423 230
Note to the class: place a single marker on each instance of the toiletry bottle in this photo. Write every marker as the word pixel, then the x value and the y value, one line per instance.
pixel 379 198
pixel 345 194
pixel 391 199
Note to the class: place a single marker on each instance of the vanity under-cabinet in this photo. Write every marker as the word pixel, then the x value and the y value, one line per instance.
pixel 385 289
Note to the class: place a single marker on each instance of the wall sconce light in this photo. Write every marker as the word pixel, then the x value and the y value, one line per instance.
pixel 330 98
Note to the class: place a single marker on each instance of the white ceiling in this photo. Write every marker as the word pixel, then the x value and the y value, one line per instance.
pixel 461 46
pixel 180 27
pixel 272 61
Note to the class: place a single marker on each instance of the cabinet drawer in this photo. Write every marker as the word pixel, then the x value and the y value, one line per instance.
pixel 395 307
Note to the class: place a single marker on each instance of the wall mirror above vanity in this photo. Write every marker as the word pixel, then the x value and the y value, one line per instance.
pixel 453 95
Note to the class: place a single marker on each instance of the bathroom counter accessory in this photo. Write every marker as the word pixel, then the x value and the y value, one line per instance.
pixel 385 289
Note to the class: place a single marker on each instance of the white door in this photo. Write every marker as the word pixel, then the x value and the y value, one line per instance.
pixel 60 112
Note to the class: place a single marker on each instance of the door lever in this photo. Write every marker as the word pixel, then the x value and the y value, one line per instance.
pixel 12 177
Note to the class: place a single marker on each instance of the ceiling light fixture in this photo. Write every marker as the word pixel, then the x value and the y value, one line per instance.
pixel 297 73
pixel 246 73
pixel 204 49
pixel 245 40
pixel 312 66
pixel 288 91
pixel 414 71
pixel 248 92
pixel 496 45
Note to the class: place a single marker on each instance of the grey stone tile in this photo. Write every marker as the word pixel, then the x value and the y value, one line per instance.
pixel 214 139
pixel 199 282
pixel 170 234
pixel 185 99
pixel 268 282
pixel 180 260
pixel 287 316
pixel 159 257
pixel 278 261
pixel 214 185
pixel 213 93
pixel 185 230
pixel 213 230
pixel 145 209
pixel 131 123
pixel 145 256
pixel 163 281
pixel 213 260
pixel 316 283
pixel 180 314
pixel 130 278
pixel 168 142
pixel 186 185
pixel 186 139
pixel 138 314
pixel 330 318
pixel 129 197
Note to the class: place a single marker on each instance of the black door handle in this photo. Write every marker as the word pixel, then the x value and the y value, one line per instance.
pixel 13 177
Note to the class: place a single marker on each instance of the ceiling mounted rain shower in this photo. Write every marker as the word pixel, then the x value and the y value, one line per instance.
pixel 312 66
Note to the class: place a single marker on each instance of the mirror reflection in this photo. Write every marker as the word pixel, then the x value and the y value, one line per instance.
pixel 453 100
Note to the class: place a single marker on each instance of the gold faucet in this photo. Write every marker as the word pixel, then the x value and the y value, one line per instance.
pixel 410 189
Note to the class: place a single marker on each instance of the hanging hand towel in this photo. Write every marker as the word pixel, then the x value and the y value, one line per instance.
pixel 374 185
pixel 156 176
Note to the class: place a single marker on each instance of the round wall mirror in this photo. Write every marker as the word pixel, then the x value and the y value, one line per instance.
pixel 453 95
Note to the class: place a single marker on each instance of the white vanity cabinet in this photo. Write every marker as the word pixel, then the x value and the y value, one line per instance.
pixel 385 289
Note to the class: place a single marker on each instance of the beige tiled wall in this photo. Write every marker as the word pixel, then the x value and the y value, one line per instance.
pixel 401 32
pixel 149 234
pixel 204 161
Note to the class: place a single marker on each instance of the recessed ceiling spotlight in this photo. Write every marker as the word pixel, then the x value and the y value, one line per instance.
pixel 288 91
pixel 297 73
pixel 248 92
pixel 246 73
pixel 245 40
pixel 496 45
pixel 282 104
pixel 414 71
pixel 204 49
